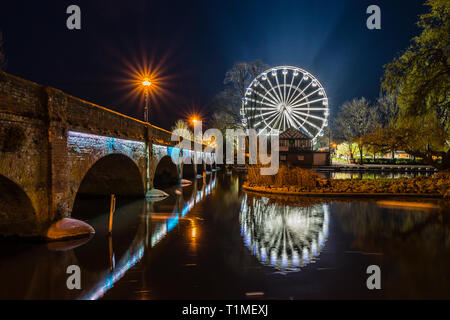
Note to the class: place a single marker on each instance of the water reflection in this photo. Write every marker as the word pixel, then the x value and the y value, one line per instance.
pixel 138 228
pixel 232 245
pixel 283 236
pixel 161 224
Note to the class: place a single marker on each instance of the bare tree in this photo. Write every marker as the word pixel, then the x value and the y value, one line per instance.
pixel 183 129
pixel 387 108
pixel 2 53
pixel 240 77
pixel 355 120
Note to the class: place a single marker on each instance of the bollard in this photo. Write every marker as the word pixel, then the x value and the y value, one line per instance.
pixel 111 212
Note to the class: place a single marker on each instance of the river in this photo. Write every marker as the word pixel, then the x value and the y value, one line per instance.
pixel 211 240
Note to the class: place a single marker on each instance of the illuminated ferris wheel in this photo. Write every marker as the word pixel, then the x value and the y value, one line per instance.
pixel 286 97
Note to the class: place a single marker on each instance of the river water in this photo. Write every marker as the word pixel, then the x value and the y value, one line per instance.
pixel 211 240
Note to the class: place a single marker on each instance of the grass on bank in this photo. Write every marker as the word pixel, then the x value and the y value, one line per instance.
pixel 305 180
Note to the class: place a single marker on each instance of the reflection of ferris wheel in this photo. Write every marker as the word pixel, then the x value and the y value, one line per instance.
pixel 282 236
pixel 286 97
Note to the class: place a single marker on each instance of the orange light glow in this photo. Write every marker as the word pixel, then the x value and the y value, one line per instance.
pixel 146 76
pixel 194 119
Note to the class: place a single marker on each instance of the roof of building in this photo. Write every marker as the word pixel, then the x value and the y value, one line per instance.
pixel 293 133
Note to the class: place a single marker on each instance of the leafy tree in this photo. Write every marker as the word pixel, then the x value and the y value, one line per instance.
pixel 346 149
pixel 420 80
pixel 355 120
pixel 384 138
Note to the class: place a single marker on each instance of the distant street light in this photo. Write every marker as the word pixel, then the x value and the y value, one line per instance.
pixel 146 83
pixel 194 120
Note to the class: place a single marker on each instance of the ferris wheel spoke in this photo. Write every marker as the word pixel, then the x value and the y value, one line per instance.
pixel 282 122
pixel 299 99
pixel 310 123
pixel 279 87
pixel 262 102
pixel 290 88
pixel 310 109
pixel 295 90
pixel 308 102
pixel 309 115
pixel 267 119
pixel 271 122
pixel 271 116
pixel 291 120
pixel 284 87
pixel 262 114
pixel 302 126
pixel 264 97
pixel 274 91
pixel 277 124
pixel 268 108
pixel 295 96
pixel 268 92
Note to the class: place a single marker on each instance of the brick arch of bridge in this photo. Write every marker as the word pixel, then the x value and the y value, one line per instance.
pixel 99 165
pixel 17 213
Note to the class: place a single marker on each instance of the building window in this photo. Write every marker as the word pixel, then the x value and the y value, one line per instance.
pixel 300 158
pixel 283 158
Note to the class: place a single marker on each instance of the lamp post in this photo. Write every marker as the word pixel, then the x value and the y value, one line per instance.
pixel 146 83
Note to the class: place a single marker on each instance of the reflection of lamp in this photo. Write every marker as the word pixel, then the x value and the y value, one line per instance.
pixel 266 226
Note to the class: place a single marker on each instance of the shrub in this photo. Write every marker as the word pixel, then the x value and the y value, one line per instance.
pixel 285 177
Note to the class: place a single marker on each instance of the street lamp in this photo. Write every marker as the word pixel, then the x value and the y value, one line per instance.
pixel 146 83
pixel 194 120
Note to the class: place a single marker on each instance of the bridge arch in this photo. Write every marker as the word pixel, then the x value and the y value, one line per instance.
pixel 112 174
pixel 166 173
pixel 17 214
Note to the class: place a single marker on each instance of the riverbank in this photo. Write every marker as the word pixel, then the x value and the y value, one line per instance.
pixel 320 193
pixel 302 182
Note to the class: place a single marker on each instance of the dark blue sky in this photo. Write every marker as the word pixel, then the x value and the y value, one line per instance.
pixel 196 42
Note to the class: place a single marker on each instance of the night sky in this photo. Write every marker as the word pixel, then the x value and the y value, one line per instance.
pixel 193 44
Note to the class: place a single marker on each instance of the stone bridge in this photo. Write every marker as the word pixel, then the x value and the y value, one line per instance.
pixel 55 147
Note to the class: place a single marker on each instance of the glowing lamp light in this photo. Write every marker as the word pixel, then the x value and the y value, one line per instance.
pixel 314 83
pixel 194 119
pixel 284 72
pixel 264 76
pixel 146 82
pixel 274 73
pixel 305 77
pixel 295 73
